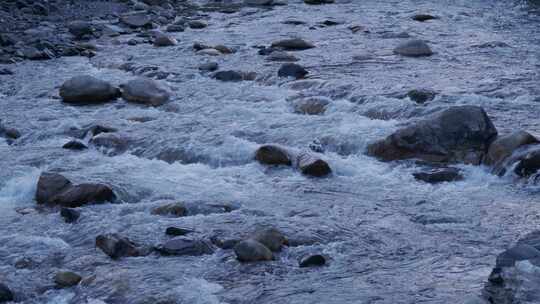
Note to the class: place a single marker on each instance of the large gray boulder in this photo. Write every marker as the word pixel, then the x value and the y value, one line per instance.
pixel 87 90
pixel 145 91
pixel 252 251
pixel 457 134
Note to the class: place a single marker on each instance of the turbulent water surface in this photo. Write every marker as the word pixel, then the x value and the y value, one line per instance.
pixel 390 238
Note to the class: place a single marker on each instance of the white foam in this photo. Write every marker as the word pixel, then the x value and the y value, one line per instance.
pixel 19 191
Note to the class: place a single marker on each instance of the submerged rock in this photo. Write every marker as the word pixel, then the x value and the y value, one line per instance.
pixel 67 279
pixel 74 145
pixel 423 17
pixel 175 231
pixel 311 105
pixel 116 246
pixel 110 143
pixel 70 215
pixel 185 246
pixel 252 251
pixel 421 96
pixel 87 90
pixel 232 76
pixel 457 134
pixel 136 20
pixel 293 70
pixel 413 48
pixel 172 209
pixel 5 294
pixel 312 260
pixel 439 175
pixel 145 91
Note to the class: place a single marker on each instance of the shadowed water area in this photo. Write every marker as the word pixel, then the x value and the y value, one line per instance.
pixel 389 237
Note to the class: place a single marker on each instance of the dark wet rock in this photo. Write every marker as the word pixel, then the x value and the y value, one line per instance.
pixel 232 76
pixel 273 155
pixel 391 35
pixel 293 44
pixel 312 261
pixel 116 246
pixel 185 246
pixel 355 28
pixel 197 24
pixel 49 185
pixel 110 143
pixel 83 194
pixel 5 294
pixel 162 40
pixel 311 105
pixel 145 91
pixel 423 17
pixel 5 71
pixel 87 90
pixel 281 56
pixel 80 28
pixel 421 96
pixel 516 275
pixel 223 49
pixel 504 146
pixel 312 165
pixel 252 251
pixel 175 231
pixel 75 145
pixel 136 20
pixel 67 279
pixel 529 164
pixel 413 48
pixel 9 133
pixel 318 2
pixel 272 238
pixel 293 70
pixel 305 162
pixel 172 209
pixel 439 175
pixel 209 66
pixel 70 215
pixel 209 52
pixel 457 134
pixel 94 130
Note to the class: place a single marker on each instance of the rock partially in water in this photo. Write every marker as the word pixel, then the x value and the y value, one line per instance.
pixel 516 275
pixel 172 209
pixel 311 105
pixel 5 294
pixel 67 279
pixel 116 246
pixel 423 17
pixel 421 96
pixel 110 143
pixel 70 215
pixel 86 89
pixel 293 70
pixel 318 2
pixel 529 164
pixel 252 251
pixel 258 2
pixel 312 261
pixel 439 175
pixel 457 134
pixel 209 66
pixel 273 155
pixel 74 145
pixel 83 194
pixel 293 44
pixel 504 146
pixel 145 91
pixel 185 246
pixel 49 185
pixel 229 76
pixel 312 165
pixel 136 20
pixel 272 238
pixel 413 48
pixel 281 56
pixel 197 24
pixel 162 40
pixel 175 231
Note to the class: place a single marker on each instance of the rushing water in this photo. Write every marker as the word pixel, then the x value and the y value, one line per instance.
pixel 369 216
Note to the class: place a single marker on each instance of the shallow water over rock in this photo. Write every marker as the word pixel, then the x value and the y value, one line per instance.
pixel 388 237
